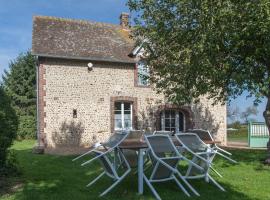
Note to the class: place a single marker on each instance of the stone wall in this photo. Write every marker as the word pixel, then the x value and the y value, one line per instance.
pixel 78 103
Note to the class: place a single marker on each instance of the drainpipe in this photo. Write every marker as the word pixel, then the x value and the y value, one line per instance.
pixel 37 101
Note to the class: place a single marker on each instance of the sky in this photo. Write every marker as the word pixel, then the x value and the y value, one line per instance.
pixel 16 27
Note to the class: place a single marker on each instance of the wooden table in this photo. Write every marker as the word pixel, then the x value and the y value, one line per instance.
pixel 141 147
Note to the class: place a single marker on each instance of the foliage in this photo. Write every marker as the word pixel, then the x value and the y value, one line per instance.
pixel 20 85
pixel 251 110
pixel 56 177
pixel 233 113
pixel 219 48
pixel 236 125
pixel 8 127
pixel 215 48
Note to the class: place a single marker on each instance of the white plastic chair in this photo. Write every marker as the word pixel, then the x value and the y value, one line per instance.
pixel 201 153
pixel 165 161
pixel 206 135
pixel 108 161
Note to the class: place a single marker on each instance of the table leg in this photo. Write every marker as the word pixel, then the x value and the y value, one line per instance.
pixel 140 171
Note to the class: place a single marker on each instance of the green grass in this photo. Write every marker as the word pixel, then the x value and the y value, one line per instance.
pixel 241 135
pixel 56 177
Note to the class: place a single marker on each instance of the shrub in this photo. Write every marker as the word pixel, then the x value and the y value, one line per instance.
pixel 27 127
pixel 8 127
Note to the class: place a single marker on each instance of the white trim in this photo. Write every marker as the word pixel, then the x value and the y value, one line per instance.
pixel 176 120
pixel 123 115
pixel 131 114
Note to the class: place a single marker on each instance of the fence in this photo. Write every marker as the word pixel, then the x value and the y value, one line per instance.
pixel 258 134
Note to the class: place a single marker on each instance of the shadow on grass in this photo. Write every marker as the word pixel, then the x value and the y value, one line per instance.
pixel 57 177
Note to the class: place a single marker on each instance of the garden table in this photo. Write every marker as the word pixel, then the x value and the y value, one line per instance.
pixel 141 146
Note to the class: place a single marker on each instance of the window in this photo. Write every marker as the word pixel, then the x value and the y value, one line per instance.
pixel 143 74
pixel 122 115
pixel 172 120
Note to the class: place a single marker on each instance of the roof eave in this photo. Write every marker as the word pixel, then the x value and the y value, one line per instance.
pixel 82 58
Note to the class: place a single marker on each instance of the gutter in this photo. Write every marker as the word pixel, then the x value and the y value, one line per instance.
pixel 83 58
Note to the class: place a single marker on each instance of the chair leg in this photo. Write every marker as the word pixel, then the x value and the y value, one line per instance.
pixel 220 149
pixel 181 186
pixel 218 185
pixel 115 183
pixel 151 188
pixel 187 183
pixel 216 172
pixel 92 182
pixel 226 157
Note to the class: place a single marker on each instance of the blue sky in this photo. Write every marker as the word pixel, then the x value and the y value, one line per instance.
pixel 16 26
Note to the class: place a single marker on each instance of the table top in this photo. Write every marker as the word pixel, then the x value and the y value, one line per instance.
pixel 139 144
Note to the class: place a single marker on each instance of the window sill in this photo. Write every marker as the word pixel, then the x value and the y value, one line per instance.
pixel 143 86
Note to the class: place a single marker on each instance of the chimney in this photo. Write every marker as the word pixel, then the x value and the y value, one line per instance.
pixel 124 20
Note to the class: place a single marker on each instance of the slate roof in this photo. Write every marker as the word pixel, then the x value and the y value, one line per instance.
pixel 78 39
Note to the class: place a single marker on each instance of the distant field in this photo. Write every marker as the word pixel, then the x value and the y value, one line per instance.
pixel 241 135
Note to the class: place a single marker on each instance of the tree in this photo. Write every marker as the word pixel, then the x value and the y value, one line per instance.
pixel 20 86
pixel 8 126
pixel 216 48
pixel 233 113
pixel 251 110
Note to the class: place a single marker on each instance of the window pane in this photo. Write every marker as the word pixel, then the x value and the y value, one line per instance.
pixel 181 121
pixel 118 124
pixel 117 106
pixel 167 113
pixel 143 73
pixel 127 116
pixel 127 106
pixel 117 112
pixel 167 122
pixel 172 122
pixel 127 124
pixel 117 116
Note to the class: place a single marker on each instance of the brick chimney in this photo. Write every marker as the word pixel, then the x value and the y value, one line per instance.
pixel 124 20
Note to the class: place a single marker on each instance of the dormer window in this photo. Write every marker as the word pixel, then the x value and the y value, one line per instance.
pixel 142 74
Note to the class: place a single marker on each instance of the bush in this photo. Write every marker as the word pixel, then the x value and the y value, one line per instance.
pixel 8 127
pixel 27 127
pixel 20 85
pixel 236 125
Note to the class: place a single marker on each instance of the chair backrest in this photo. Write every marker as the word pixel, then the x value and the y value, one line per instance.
pixel 192 141
pixel 163 133
pixel 115 139
pixel 160 145
pixel 203 134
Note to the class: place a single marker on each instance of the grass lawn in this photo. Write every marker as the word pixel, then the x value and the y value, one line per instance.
pixel 56 177
pixel 241 135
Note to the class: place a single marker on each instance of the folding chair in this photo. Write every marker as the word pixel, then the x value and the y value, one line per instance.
pixel 202 155
pixel 108 162
pixel 206 135
pixel 166 159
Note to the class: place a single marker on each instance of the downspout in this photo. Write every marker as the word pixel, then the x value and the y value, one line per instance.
pixel 37 101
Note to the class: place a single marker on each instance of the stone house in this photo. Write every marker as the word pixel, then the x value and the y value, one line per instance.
pixel 90 84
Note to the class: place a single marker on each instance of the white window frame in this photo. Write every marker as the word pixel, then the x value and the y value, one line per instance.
pixel 123 116
pixel 176 120
pixel 143 69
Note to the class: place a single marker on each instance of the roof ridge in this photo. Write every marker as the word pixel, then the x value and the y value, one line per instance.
pixel 80 21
